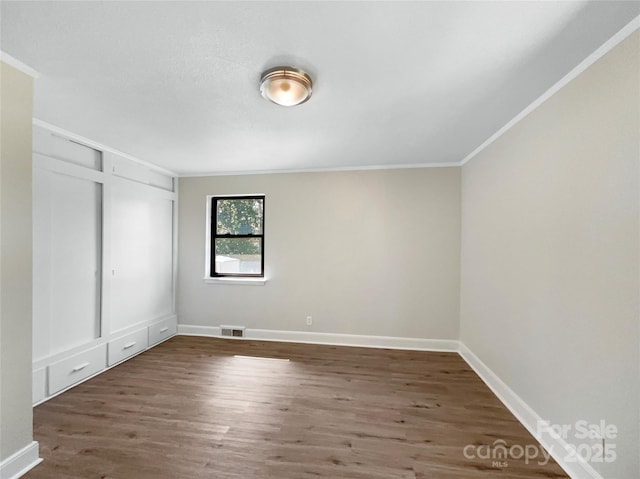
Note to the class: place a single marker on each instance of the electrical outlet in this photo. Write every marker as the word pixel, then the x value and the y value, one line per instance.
pixel 309 320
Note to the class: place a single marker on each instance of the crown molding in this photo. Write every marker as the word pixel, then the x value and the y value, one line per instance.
pixel 577 71
pixel 17 64
pixel 320 170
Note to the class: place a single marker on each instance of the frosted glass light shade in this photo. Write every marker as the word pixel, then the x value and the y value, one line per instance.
pixel 286 86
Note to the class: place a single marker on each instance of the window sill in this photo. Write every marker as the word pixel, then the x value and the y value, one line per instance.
pixel 243 281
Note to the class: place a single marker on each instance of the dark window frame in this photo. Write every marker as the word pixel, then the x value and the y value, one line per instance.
pixel 215 235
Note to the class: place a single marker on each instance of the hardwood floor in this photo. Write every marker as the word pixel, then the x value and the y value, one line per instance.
pixel 191 408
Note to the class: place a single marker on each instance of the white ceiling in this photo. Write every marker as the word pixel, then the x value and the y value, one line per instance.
pixel 395 83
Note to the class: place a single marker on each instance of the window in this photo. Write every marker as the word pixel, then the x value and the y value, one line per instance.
pixel 237 236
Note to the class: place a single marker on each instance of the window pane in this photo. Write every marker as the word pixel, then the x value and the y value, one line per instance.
pixel 238 256
pixel 239 216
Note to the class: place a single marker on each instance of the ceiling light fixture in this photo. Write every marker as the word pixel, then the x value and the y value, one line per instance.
pixel 286 86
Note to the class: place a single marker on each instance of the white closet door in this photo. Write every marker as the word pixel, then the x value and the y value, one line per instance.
pixel 67 261
pixel 142 257
pixel 41 263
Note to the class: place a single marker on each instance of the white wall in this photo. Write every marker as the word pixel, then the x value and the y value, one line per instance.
pixel 550 237
pixel 362 252
pixel 15 245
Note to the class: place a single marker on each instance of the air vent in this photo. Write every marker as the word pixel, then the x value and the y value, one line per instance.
pixel 232 331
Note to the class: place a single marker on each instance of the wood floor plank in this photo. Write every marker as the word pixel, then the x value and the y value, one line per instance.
pixel 227 409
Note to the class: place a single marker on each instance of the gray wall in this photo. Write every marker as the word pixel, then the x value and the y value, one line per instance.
pixel 15 270
pixel 363 252
pixel 550 237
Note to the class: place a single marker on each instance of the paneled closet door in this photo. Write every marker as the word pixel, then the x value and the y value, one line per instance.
pixel 67 261
pixel 141 254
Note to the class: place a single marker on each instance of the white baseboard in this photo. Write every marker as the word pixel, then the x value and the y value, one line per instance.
pixel 333 339
pixel 18 464
pixel 556 446
pixel 188 330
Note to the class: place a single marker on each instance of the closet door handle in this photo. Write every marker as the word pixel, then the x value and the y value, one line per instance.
pixel 130 345
pixel 79 367
pixel 164 330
